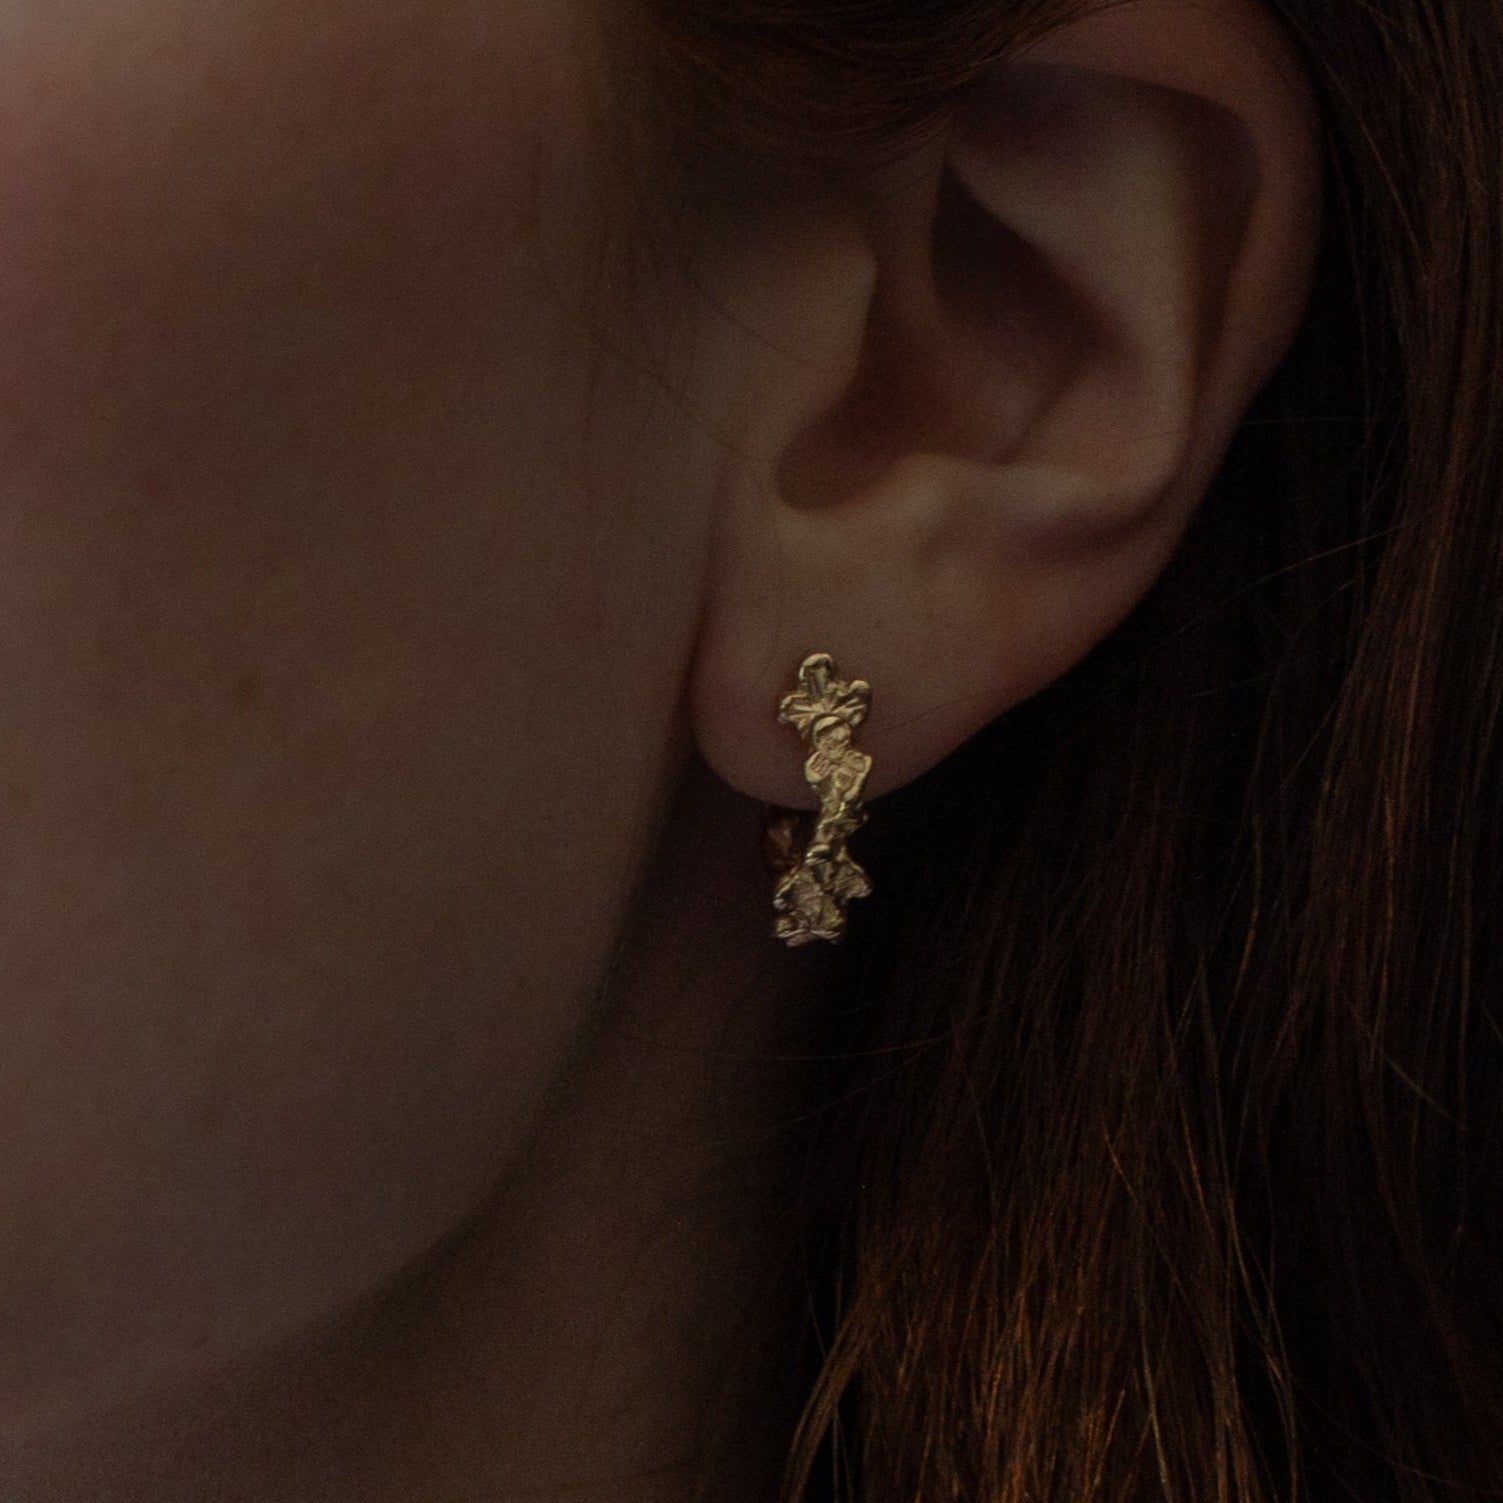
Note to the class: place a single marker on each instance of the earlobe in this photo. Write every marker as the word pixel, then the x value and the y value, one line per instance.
pixel 1073 304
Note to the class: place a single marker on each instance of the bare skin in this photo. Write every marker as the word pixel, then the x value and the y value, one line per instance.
pixel 561 1342
pixel 399 1087
pixel 325 801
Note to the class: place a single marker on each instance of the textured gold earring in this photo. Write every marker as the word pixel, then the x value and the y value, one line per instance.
pixel 816 876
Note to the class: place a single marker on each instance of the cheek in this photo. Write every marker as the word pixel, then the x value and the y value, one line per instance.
pixel 211 212
pixel 302 885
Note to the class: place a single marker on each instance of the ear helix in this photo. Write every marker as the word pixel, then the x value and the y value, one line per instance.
pixel 817 877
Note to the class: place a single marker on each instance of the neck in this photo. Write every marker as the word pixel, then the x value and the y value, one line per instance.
pixel 609 1324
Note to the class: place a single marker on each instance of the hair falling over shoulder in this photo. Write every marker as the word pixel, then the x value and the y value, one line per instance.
pixel 1168 1159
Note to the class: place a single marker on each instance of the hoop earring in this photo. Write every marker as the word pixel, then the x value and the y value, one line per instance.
pixel 817 877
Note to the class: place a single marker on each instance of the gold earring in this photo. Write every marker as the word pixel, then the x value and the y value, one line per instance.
pixel 817 877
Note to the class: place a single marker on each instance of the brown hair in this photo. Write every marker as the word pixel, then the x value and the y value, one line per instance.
pixel 1167 1165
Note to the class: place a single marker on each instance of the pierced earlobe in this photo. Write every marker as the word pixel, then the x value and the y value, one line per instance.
pixel 817 876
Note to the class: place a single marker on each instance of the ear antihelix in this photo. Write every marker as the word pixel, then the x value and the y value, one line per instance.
pixel 1047 330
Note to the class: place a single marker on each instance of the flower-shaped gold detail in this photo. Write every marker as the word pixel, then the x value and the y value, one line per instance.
pixel 817 877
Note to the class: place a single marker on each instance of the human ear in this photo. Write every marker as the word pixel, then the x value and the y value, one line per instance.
pixel 1003 389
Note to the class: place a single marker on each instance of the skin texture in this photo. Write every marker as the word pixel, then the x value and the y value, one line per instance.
pixel 394 1067
pixel 328 639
